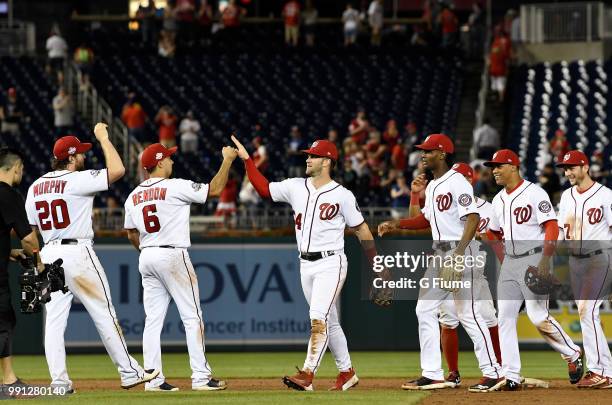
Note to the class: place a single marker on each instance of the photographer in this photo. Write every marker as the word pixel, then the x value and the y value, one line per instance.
pixel 12 217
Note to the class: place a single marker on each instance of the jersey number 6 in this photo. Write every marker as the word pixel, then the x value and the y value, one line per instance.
pixel 151 222
pixel 58 222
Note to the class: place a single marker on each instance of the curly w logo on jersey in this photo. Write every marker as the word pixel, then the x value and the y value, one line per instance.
pixel 523 214
pixel 328 211
pixel 595 215
pixel 444 201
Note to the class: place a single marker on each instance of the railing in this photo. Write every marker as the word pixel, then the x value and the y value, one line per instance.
pixel 564 22
pixel 18 38
pixel 91 106
pixel 246 218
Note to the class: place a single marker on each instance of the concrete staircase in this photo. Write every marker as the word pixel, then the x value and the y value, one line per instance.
pixel 467 110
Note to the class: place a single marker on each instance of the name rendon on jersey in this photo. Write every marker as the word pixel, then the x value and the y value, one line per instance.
pixel 50 186
pixel 151 194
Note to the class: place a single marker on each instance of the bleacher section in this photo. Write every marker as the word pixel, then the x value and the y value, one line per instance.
pixel 568 96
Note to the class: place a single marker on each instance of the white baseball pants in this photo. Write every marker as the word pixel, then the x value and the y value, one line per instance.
pixel 168 274
pixel 591 279
pixel 322 282
pixel 511 292
pixel 87 281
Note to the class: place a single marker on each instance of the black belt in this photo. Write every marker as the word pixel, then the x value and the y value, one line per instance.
pixel 69 242
pixel 527 253
pixel 590 254
pixel 313 256
pixel 162 246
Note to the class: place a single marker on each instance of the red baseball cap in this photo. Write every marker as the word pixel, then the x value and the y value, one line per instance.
pixel 323 148
pixel 503 157
pixel 573 158
pixel 465 170
pixel 69 145
pixel 155 153
pixel 437 142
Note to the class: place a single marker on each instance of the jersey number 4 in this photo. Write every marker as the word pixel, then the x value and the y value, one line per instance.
pixel 151 222
pixel 57 209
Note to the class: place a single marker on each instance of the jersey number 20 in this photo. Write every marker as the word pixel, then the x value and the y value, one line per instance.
pixel 151 222
pixel 57 209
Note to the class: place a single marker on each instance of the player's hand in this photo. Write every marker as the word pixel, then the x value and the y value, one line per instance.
pixel 16 255
pixel 418 184
pixel 544 265
pixel 387 226
pixel 229 153
pixel 242 152
pixel 101 131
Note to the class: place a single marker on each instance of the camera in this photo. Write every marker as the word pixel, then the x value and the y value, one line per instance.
pixel 36 288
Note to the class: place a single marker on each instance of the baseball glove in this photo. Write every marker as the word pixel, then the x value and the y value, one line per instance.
pixel 383 297
pixel 540 283
pixel 449 274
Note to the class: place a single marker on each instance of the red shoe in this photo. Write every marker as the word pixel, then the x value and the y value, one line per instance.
pixel 302 381
pixel 345 380
pixel 592 380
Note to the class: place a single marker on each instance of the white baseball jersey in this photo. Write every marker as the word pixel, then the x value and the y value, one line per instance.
pixel 321 215
pixel 485 210
pixel 448 200
pixel 519 215
pixel 586 216
pixel 159 209
pixel 60 203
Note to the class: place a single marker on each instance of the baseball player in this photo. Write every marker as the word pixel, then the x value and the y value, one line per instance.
pixel 59 204
pixel 322 209
pixel 450 210
pixel 448 313
pixel 157 222
pixel 585 216
pixel 524 218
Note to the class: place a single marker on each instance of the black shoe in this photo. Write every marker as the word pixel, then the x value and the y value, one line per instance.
pixel 511 386
pixel 212 385
pixel 18 383
pixel 453 379
pixel 575 369
pixel 424 383
pixel 164 387
pixel 487 384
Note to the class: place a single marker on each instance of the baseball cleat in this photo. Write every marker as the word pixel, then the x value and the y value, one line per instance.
pixel 607 385
pixel 592 380
pixel 575 370
pixel 302 381
pixel 487 384
pixel 345 380
pixel 453 380
pixel 424 383
pixel 164 387
pixel 212 385
pixel 509 385
pixel 146 377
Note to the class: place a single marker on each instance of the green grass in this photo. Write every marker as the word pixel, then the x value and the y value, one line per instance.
pixel 545 365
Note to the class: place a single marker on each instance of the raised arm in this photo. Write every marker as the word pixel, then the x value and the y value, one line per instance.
pixel 217 184
pixel 114 165
pixel 259 181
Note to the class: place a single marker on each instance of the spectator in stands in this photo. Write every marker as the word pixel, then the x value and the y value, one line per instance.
pixel 57 51
pixel 349 177
pixel 515 30
pixel 230 15
pixel 499 59
pixel 359 127
pixel 598 171
pixel 559 146
pixel 375 151
pixel 63 112
pixel 189 130
pixel 134 117
pixel 309 16
pixel 146 16
pixel 549 181
pixel 249 198
pixel 260 154
pixel 84 59
pixel 484 187
pixel 486 140
pixel 476 28
pixel 291 16
pixel 166 47
pixel 391 135
pixel 410 135
pixel 11 114
pixel 166 122
pixel 450 26
pixel 376 20
pixel 421 36
pixel 185 17
pixel 226 207
pixel 508 20
pixel 399 156
pixel 350 18
pixel 169 23
pixel 294 152
pixel 400 198
pixel 204 18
